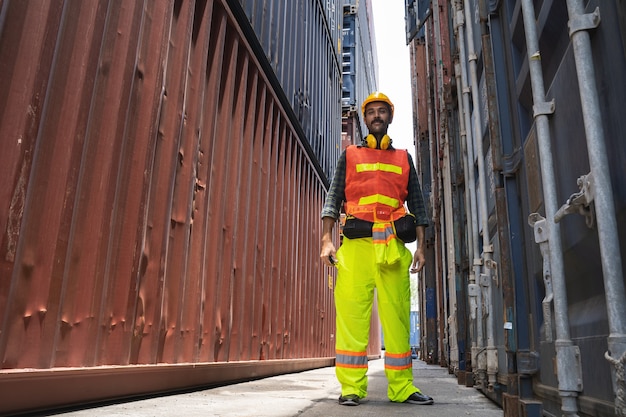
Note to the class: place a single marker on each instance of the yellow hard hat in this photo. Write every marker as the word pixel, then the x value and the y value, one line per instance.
pixel 377 96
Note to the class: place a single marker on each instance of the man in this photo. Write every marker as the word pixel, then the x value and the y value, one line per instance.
pixel 375 180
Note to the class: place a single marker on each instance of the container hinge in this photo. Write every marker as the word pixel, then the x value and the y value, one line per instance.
pixel 542 237
pixel 527 362
pixel 349 109
pixel 473 290
pixel 569 367
pixel 484 280
pixel 493 265
pixel 580 202
pixel 584 22
pixel 350 9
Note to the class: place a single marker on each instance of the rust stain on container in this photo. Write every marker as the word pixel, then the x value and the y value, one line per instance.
pixel 158 205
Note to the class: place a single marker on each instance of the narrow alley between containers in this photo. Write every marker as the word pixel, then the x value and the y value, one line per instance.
pixel 173 188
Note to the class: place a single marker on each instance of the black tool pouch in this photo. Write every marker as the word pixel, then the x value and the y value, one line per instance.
pixel 357 228
pixel 406 228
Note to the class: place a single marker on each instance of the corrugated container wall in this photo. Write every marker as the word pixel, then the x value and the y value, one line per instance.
pixel 358 64
pixel 159 199
pixel 302 40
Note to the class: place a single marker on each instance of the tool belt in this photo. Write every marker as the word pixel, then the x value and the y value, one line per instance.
pixel 405 228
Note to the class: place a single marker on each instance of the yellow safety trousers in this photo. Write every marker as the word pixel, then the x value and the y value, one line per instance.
pixel 358 275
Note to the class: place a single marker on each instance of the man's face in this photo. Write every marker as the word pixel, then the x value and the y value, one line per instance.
pixel 377 117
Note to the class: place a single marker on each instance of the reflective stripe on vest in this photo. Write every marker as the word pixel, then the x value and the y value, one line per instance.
pixel 379 198
pixel 379 166
pixel 349 359
pixel 398 361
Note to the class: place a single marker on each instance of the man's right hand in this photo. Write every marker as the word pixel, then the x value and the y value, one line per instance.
pixel 328 252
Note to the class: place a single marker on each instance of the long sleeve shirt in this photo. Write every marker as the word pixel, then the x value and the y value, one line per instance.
pixel 336 194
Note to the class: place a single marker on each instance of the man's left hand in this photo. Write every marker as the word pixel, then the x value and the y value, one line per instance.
pixel 418 260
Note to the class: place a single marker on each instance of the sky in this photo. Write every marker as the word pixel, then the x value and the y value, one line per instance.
pixel 394 77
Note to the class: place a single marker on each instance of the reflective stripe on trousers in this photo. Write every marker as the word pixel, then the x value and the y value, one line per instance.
pixel 358 275
pixel 398 361
pixel 348 359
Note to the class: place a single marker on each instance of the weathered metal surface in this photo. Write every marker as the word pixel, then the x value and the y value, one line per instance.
pixel 302 43
pixel 527 383
pixel 50 388
pixel 419 75
pixel 159 202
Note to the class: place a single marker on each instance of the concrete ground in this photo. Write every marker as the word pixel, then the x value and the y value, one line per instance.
pixel 308 394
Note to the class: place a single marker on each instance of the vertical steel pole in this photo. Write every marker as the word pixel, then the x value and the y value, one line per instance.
pixel 567 355
pixel 603 195
pixel 473 290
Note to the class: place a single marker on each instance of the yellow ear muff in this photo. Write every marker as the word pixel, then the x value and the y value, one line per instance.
pixel 385 142
pixel 373 143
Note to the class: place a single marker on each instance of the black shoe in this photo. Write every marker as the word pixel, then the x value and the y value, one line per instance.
pixel 350 399
pixel 419 398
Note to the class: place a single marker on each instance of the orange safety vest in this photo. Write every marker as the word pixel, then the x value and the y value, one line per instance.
pixel 376 183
